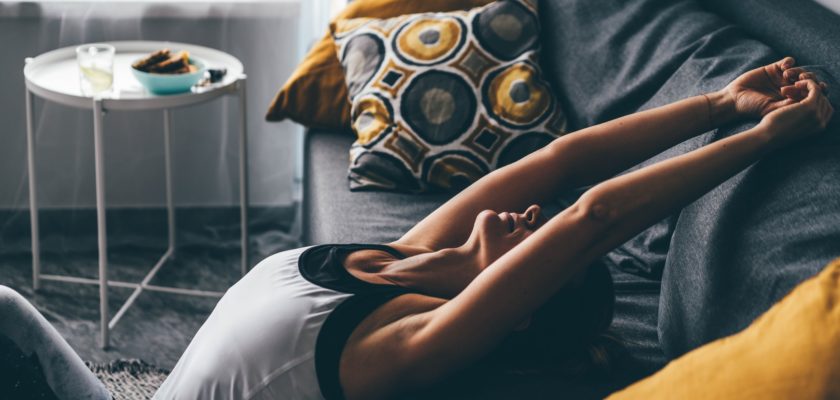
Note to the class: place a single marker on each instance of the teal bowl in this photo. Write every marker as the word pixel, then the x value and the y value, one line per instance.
pixel 170 83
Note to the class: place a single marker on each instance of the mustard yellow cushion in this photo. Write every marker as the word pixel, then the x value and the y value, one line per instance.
pixel 790 352
pixel 316 95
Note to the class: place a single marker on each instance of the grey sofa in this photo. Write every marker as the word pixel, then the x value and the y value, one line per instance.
pixel 701 274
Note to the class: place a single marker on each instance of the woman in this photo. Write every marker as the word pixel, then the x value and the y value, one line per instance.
pixel 375 321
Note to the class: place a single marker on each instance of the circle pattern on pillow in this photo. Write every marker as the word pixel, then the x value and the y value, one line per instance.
pixel 451 97
pixel 515 96
pixel 523 145
pixel 380 170
pixel 506 29
pixel 455 170
pixel 372 117
pixel 439 106
pixel 429 40
pixel 361 58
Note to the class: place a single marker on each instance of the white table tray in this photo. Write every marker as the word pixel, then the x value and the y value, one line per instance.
pixel 54 76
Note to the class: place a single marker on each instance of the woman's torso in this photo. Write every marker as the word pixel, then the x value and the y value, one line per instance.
pixel 289 327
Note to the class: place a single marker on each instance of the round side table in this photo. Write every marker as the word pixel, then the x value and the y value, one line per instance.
pixel 54 76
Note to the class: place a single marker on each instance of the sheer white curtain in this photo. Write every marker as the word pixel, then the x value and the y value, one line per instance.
pixel 315 17
pixel 267 36
pixel 833 5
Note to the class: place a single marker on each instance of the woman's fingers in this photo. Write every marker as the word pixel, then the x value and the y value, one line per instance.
pixel 789 90
pixel 791 74
pixel 801 89
pixel 817 101
pixel 776 70
pixel 813 89
pixel 785 63
pixel 807 75
pixel 793 92
pixel 779 104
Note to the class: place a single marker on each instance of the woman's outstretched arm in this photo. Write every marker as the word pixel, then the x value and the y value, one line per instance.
pixel 514 286
pixel 601 151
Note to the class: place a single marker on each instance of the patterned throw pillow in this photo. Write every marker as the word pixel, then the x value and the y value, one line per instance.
pixel 315 94
pixel 441 99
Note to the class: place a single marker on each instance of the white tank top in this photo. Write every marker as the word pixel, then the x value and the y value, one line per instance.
pixel 278 333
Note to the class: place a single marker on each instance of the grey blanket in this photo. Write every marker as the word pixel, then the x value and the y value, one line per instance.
pixel 732 254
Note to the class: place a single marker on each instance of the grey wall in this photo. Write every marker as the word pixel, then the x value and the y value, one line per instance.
pixel 264 36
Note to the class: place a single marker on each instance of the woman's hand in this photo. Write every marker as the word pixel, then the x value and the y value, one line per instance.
pixel 758 92
pixel 799 117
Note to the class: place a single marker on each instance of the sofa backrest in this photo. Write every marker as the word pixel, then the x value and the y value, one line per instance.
pixel 802 27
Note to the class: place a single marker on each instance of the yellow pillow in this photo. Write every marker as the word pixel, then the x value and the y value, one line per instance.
pixel 316 95
pixel 790 352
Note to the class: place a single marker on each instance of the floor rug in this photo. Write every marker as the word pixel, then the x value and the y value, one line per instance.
pixel 129 379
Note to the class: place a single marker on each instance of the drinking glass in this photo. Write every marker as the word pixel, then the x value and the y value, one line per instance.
pixel 96 68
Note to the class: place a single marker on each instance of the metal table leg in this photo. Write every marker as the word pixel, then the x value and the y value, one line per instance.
pixel 170 214
pixel 243 172
pixel 98 113
pixel 167 146
pixel 33 191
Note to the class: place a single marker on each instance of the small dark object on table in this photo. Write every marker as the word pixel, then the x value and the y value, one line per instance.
pixel 216 74
pixel 213 75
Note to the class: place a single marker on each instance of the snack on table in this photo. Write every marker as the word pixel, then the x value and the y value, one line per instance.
pixel 152 59
pixel 164 62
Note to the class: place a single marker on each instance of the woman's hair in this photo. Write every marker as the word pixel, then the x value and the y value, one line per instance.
pixel 567 334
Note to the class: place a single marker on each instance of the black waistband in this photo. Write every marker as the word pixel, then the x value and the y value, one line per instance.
pixel 334 334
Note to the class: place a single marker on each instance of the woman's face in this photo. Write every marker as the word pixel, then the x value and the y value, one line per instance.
pixel 446 272
pixel 497 233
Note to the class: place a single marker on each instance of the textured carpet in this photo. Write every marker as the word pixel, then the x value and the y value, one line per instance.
pixel 159 326
pixel 129 379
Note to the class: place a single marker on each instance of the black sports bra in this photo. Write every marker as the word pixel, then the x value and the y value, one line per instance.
pixel 322 265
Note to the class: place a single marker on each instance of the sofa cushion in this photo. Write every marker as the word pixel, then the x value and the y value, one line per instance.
pixel 441 99
pixel 316 95
pixel 612 58
pixel 802 28
pixel 334 214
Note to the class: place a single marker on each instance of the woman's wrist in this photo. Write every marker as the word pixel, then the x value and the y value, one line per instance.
pixel 764 134
pixel 721 108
